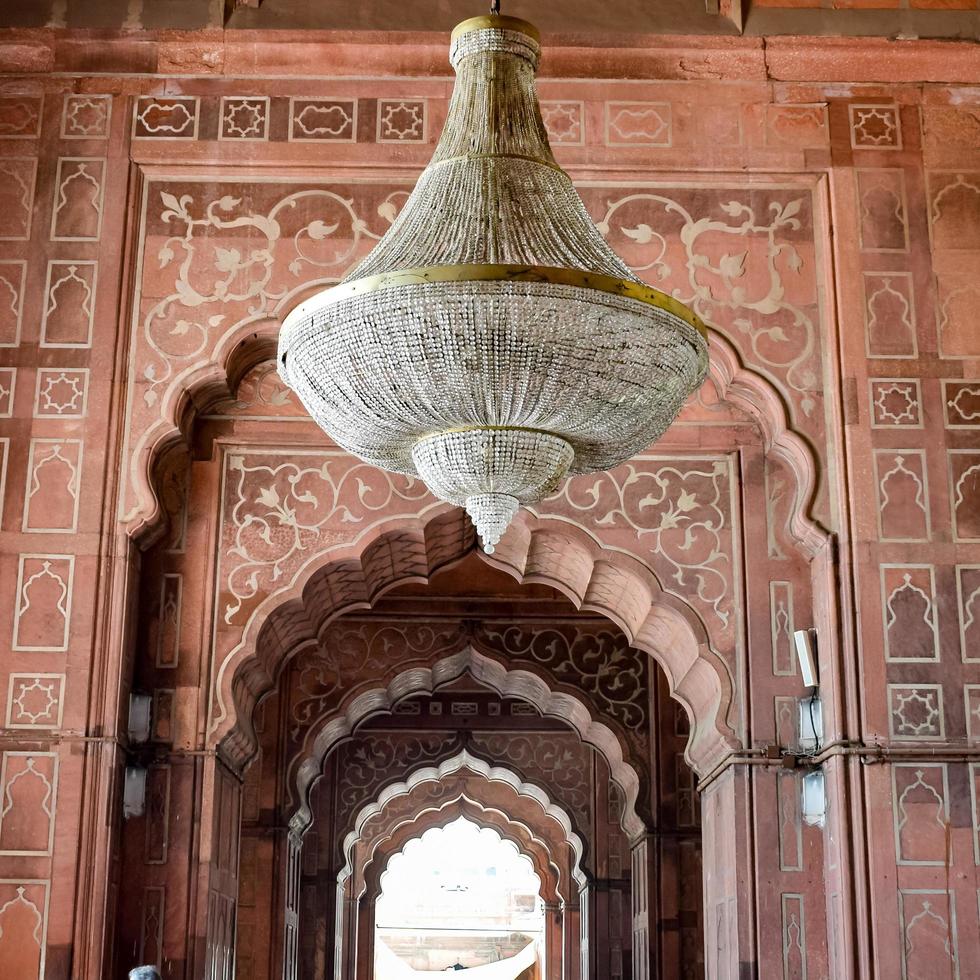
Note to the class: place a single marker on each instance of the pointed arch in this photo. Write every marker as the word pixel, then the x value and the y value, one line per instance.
pixel 340 725
pixel 572 559
pixel 569 559
pixel 440 816
pixel 541 819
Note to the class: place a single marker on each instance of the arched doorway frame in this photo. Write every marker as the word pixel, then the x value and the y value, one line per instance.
pixel 594 575
pixel 445 812
pixel 597 577
pixel 467 780
pixel 462 763
pixel 348 669
pixel 545 550
pixel 382 854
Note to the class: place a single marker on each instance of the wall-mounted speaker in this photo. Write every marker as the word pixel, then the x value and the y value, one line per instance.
pixel 805 643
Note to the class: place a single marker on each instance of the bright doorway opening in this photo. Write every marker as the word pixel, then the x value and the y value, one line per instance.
pixel 460 898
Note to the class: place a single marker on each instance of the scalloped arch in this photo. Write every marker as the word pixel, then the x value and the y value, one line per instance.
pixel 464 762
pixel 434 817
pixel 569 559
pixel 508 683
pixel 252 340
pixel 542 550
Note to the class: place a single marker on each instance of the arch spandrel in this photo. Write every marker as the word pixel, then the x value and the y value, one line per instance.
pixel 283 513
pixel 371 767
pixel 192 313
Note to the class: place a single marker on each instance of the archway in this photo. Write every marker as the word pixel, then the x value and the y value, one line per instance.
pixel 534 830
pixel 541 551
pixel 456 680
pixel 256 636
pixel 327 732
pixel 470 781
pixel 459 896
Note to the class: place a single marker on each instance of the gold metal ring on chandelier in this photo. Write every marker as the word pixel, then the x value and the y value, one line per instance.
pixel 627 288
pixel 496 22
pixel 490 428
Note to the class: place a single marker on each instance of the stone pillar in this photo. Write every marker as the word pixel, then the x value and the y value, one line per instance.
pixel 345 954
pixel 364 955
pixel 587 950
pixel 729 879
pixel 95 929
pixel 571 960
pixel 646 952
pixel 666 891
pixel 290 952
pixel 339 932
pixel 552 941
pixel 219 863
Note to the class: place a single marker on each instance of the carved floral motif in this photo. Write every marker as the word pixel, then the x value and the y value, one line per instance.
pixel 373 759
pixel 354 652
pixel 276 512
pixel 594 658
pixel 217 262
pixel 560 764
pixel 743 265
pixel 677 513
pixel 308 231
pixel 599 662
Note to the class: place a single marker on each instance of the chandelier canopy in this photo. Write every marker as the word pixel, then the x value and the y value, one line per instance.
pixel 492 343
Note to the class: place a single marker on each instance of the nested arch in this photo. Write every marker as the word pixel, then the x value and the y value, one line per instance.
pixel 369 885
pixel 193 383
pixel 341 724
pixel 434 796
pixel 493 787
pixel 371 877
pixel 587 658
pixel 567 558
pixel 572 559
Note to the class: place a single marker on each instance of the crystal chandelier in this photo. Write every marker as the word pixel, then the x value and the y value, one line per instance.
pixel 492 343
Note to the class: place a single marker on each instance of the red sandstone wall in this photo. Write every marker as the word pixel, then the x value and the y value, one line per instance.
pixel 829 232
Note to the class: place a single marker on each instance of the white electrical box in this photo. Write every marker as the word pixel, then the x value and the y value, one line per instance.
pixel 134 792
pixel 140 710
pixel 814 798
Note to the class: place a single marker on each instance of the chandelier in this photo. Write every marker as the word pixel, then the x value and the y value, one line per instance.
pixel 492 343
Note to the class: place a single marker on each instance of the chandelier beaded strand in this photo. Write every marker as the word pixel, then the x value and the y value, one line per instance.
pixel 492 343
